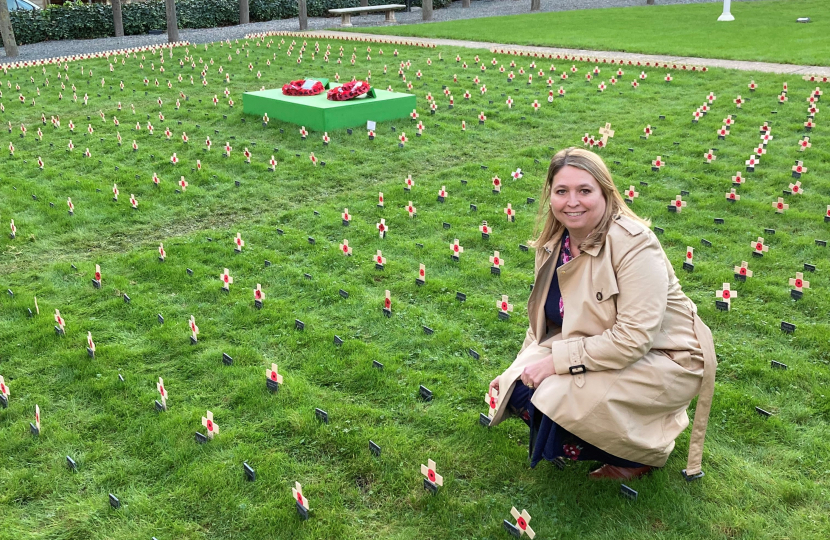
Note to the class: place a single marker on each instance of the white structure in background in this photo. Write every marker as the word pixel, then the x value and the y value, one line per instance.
pixel 726 15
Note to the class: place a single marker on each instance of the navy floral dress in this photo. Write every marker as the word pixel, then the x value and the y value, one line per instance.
pixel 548 440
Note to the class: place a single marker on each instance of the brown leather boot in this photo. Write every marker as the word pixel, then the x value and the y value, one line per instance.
pixel 619 473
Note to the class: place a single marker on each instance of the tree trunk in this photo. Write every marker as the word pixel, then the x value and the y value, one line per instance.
pixel 650 2
pixel 465 3
pixel 363 3
pixel 535 5
pixel 116 18
pixel 243 12
pixel 303 15
pixel 172 22
pixel 426 9
pixel 7 32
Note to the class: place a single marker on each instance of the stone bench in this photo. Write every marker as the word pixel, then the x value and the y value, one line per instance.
pixel 347 13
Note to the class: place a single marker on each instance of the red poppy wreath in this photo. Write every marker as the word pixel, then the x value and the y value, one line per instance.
pixel 348 91
pixel 303 88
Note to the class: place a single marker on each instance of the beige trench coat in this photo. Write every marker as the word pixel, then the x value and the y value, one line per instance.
pixel 631 354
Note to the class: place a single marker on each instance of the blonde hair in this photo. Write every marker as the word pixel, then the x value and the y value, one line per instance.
pixel 614 203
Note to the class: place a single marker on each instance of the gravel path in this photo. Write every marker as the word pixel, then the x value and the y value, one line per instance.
pixel 478 8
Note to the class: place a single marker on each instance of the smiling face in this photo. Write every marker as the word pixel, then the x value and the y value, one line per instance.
pixel 577 201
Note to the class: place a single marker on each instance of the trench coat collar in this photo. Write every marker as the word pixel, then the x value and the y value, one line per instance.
pixel 553 244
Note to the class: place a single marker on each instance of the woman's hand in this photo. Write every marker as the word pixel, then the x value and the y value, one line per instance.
pixel 534 374
pixel 495 384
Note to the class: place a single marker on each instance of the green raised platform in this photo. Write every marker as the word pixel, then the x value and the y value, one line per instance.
pixel 319 114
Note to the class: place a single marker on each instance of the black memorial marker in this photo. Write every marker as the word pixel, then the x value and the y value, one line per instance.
pixel 460 296
pixel 628 493
pixel 377 365
pixel 71 463
pixel 338 341
pixel 250 473
pixel 425 393
pixel 114 502
pixel 473 353
pixel 374 449
pixel 788 328
pixel 321 415
pixel 201 439
pixel 428 331
pixel 762 412
pixel 226 359
pixel 777 365
pixel 299 325
pixel 483 420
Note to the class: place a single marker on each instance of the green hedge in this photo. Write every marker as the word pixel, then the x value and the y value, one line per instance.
pixel 88 21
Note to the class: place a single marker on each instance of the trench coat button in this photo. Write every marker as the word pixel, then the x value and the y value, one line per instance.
pixel 599 296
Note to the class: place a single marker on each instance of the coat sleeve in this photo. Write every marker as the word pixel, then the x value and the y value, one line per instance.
pixel 643 283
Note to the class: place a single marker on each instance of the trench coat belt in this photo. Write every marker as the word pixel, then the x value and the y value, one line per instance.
pixel 704 401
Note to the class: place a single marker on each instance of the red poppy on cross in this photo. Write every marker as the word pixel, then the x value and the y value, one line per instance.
pixel 522 522
pixel 804 144
pixel 379 258
pixel 37 418
pixel 780 206
pixel 60 321
pixel 239 242
pixel 97 272
pixel 162 392
pixel 89 343
pixel 313 159
pixel 491 399
pixel 345 215
pixel 411 209
pixel 782 98
pixel 387 301
pixel 511 214
pixel 723 132
pixel 732 196
pixel 210 426
pixel 3 388
pixel 297 493
pixel 503 305
pixel 697 115
pixel 273 375
pixel 631 194
pixel 657 163
pixel 174 159
pixel 456 248
pixel 258 294
pixel 743 269
pixel 668 77
pixel 758 246
pixel 485 229
pixel 690 253
pixel 752 161
pixel 226 279
pixel 799 283
pixel 738 101
pixel 380 199
pixel 535 105
pixel 678 203
pixel 799 167
pixel 726 294
pixel 247 155
pixel 303 132
pixel 382 228
pixel 69 202
pixel 429 471
pixel 760 151
pixel 796 188
pixel 402 139
pixel 752 86
pixel 496 260
pixel 133 201
pixel 345 249
pixel 709 156
pixel 647 131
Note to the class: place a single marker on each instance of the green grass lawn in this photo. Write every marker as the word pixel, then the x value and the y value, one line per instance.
pixel 765 477
pixel 762 31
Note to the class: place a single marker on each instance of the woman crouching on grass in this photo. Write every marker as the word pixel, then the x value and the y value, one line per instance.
pixel 615 351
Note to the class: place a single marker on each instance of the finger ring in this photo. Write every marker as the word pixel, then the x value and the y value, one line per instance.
pixel 530 386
